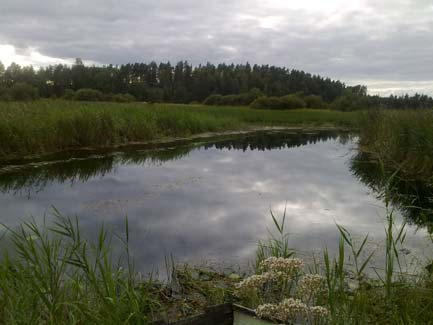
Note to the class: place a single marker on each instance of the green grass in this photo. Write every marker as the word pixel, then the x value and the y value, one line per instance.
pixel 401 139
pixel 389 295
pixel 51 275
pixel 48 126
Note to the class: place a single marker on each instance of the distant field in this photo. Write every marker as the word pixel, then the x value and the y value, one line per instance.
pixel 47 126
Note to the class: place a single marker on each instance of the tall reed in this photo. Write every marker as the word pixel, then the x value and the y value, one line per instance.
pixel 52 275
pixel 48 126
pixel 361 291
pixel 277 245
pixel 401 139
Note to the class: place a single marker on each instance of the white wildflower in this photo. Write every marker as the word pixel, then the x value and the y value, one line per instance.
pixel 281 264
pixel 310 285
pixel 255 281
pixel 319 311
pixel 267 311
pixel 291 308
pixel 288 310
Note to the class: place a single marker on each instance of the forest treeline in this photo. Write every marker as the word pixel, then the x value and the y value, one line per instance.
pixel 184 83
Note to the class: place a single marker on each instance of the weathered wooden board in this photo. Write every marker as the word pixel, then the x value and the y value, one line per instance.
pixel 215 315
pixel 226 314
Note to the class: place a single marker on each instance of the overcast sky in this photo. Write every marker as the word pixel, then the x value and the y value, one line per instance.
pixel 385 44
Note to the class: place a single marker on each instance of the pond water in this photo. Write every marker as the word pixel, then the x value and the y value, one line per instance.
pixel 208 200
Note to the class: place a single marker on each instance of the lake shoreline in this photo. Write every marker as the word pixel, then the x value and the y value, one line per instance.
pixel 161 143
pixel 29 130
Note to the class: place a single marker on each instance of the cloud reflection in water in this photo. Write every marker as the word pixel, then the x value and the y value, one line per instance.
pixel 213 201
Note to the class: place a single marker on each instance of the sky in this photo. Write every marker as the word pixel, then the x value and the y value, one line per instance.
pixel 386 45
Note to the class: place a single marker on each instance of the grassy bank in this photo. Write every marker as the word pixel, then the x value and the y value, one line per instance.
pixel 401 139
pixel 52 275
pixel 48 126
pixel 340 289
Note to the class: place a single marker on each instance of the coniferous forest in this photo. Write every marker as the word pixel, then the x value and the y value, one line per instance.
pixel 185 83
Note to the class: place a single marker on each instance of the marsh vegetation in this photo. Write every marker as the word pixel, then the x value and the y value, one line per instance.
pixel 51 126
pixel 51 272
pixel 58 275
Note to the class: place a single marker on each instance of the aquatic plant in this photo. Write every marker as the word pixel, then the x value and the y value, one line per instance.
pixel 48 126
pixel 277 245
pixel 52 275
pixel 338 292
pixel 401 139
pixel 282 292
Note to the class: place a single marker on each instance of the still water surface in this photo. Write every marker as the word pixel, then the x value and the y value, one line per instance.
pixel 208 200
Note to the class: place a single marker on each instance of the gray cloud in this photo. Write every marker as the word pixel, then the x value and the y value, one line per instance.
pixel 379 42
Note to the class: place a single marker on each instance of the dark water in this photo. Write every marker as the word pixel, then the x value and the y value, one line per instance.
pixel 210 201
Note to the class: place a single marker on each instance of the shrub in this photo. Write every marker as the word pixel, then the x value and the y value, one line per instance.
pixel 23 91
pixel 69 94
pixel 155 95
pixel 292 102
pixel 285 102
pixel 122 98
pixel 5 95
pixel 240 99
pixel 266 103
pixel 350 102
pixel 244 98
pixel 314 101
pixel 213 100
pixel 254 94
pixel 95 95
pixel 87 94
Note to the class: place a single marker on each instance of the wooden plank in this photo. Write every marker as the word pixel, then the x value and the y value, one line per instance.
pixel 214 315
pixel 246 316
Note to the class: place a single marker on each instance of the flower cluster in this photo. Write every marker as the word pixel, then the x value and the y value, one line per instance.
pixel 268 311
pixel 281 264
pixel 276 267
pixel 319 312
pixel 310 285
pixel 289 310
pixel 255 281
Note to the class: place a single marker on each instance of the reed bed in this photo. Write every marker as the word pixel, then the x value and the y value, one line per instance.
pixel 401 139
pixel 339 288
pixel 48 126
pixel 49 274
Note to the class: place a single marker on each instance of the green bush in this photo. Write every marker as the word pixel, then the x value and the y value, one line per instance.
pixel 122 98
pixel 87 94
pixel 155 95
pixel 266 103
pixel 233 100
pixel 351 102
pixel 213 100
pixel 5 95
pixel 285 102
pixel 292 102
pixel 23 91
pixel 249 97
pixel 69 94
pixel 314 101
pixel 95 95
